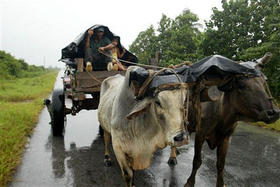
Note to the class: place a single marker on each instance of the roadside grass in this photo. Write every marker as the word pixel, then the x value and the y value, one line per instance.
pixel 21 101
pixel 26 88
pixel 274 126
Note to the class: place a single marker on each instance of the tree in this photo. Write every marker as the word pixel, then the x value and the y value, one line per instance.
pixel 177 40
pixel 246 30
pixel 183 39
pixel 145 45
pixel 270 42
pixel 227 32
pixel 11 68
pixel 242 30
pixel 240 25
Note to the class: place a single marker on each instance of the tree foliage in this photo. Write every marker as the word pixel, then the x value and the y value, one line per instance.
pixel 246 30
pixel 145 45
pixel 175 39
pixel 11 67
pixel 242 30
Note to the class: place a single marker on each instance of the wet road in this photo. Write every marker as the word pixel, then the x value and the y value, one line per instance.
pixel 77 159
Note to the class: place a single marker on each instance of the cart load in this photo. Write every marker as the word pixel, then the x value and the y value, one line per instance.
pixel 75 53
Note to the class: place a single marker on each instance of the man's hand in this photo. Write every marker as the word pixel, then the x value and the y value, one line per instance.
pixel 90 32
pixel 102 49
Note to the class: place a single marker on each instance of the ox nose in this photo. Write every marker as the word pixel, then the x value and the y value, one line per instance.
pixel 273 115
pixel 276 113
pixel 180 137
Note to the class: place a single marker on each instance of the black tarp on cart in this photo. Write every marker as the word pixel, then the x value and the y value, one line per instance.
pixel 76 48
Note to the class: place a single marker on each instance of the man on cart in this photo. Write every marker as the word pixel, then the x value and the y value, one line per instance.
pixel 95 42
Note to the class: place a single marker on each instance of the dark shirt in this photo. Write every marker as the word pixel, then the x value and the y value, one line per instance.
pixel 95 44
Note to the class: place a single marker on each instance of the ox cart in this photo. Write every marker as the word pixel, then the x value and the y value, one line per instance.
pixel 80 86
pixel 83 87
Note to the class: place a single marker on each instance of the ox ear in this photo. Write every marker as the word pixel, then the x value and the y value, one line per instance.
pixel 139 108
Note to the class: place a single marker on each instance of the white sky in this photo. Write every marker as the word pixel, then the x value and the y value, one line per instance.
pixel 38 29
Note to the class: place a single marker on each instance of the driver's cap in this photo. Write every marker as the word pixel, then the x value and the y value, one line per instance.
pixel 100 29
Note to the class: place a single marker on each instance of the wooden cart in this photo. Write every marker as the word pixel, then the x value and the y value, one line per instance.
pixel 83 90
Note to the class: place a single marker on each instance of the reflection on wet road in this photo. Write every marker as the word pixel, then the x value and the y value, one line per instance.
pixel 77 159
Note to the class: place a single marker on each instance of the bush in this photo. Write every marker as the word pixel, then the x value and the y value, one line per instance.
pixel 10 67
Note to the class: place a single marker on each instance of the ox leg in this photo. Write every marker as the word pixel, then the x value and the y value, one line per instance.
pixel 196 160
pixel 128 176
pixel 221 157
pixel 107 158
pixel 124 162
pixel 172 159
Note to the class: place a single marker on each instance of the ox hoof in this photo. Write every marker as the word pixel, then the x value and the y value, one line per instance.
pixel 188 185
pixel 177 152
pixel 172 161
pixel 107 163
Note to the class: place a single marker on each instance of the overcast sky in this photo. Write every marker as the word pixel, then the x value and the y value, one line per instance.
pixel 38 29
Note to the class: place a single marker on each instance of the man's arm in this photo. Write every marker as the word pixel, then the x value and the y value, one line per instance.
pixel 110 45
pixel 89 35
pixel 107 47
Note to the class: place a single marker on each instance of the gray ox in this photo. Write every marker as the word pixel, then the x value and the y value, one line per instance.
pixel 243 99
pixel 139 128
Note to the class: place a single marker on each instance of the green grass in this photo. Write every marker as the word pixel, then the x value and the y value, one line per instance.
pixel 21 101
pixel 274 126
pixel 25 88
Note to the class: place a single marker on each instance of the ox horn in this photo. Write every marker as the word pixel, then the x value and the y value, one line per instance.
pixel 264 59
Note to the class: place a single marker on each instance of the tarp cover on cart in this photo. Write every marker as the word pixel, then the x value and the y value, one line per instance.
pixel 76 49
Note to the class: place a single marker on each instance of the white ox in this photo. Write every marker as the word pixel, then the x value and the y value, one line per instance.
pixel 139 127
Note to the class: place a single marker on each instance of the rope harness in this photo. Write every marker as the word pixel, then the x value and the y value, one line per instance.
pixel 271 98
pixel 129 62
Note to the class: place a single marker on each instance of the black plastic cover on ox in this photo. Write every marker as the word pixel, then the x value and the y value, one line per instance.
pixel 216 67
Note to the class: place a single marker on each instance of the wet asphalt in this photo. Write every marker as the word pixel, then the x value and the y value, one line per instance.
pixel 77 159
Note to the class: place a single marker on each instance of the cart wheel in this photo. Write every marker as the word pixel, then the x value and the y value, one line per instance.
pixel 58 101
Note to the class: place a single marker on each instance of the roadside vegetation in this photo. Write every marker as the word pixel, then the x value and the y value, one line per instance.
pixel 274 126
pixel 22 89
pixel 241 30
